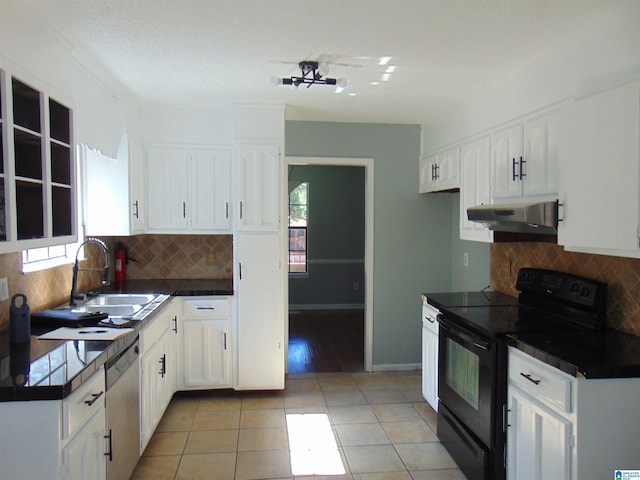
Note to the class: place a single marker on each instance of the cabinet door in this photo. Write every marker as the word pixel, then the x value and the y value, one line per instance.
pixel 506 152
pixel 84 455
pixel 448 169
pixel 538 441
pixel 150 393
pixel 599 172
pixel 475 187
pixel 205 353
pixel 428 165
pixel 541 147
pixel 136 188
pixel 168 370
pixel 106 189
pixel 260 337
pixel 258 187
pixel 210 173
pixel 166 176
pixel 430 367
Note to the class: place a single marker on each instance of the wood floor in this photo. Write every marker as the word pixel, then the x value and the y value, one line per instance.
pixel 326 341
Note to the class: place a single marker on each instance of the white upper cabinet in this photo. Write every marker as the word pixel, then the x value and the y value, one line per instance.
pixel 188 189
pixel 506 161
pixel 37 168
pixel 210 172
pixel 167 188
pixel 475 186
pixel 599 173
pixel 440 171
pixel 524 160
pixel 113 191
pixel 258 187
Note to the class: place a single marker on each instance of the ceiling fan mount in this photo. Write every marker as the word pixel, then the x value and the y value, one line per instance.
pixel 310 74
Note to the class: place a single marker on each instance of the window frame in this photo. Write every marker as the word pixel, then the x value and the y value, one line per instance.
pixel 293 252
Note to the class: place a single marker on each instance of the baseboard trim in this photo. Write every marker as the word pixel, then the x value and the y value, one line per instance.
pixel 397 367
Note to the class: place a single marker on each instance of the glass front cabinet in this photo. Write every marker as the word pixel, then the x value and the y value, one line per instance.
pixel 37 168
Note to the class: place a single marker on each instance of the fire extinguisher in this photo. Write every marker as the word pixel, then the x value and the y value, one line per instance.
pixel 121 262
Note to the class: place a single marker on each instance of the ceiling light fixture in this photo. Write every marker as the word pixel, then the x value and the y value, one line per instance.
pixel 312 72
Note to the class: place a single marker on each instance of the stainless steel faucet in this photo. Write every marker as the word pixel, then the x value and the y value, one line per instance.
pixel 105 279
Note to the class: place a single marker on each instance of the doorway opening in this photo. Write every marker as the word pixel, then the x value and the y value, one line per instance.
pixel 331 232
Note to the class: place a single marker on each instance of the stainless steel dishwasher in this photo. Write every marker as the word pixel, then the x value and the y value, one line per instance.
pixel 123 413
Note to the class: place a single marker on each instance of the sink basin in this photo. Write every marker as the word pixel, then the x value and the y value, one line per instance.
pixel 108 299
pixel 111 310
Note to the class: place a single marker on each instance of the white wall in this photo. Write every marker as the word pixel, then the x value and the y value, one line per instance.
pixel 603 59
pixel 35 53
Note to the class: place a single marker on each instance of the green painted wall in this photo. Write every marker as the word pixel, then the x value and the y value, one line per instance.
pixel 476 275
pixel 412 232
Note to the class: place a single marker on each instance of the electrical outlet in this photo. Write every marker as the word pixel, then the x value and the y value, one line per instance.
pixel 465 259
pixel 4 289
pixel 212 257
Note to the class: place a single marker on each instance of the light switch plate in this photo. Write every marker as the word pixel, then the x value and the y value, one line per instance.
pixel 4 289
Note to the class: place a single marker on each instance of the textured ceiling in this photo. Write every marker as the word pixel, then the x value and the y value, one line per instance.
pixel 202 53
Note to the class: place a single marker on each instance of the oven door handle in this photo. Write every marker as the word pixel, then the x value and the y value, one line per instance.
pixel 467 337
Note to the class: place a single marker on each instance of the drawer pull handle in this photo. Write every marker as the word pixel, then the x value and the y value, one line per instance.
pixel 205 308
pixel 528 377
pixel 94 397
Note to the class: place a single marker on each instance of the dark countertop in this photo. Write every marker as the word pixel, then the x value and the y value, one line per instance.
pixel 584 354
pixel 579 352
pixel 58 367
pixel 173 287
pixel 469 299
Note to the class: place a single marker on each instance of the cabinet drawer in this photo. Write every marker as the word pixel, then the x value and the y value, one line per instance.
pixel 206 307
pixel 155 327
pixel 542 381
pixel 80 406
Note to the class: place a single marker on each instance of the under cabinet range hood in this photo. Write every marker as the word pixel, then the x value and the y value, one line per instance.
pixel 535 217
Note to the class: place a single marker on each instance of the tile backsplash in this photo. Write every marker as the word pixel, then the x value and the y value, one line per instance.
pixel 621 274
pixel 157 256
pixel 178 256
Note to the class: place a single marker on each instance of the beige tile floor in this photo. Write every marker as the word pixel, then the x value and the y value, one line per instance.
pixel 382 428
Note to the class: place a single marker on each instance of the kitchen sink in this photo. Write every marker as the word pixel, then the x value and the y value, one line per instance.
pixel 115 299
pixel 111 310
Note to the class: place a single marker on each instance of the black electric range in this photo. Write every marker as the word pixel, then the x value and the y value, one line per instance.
pixel 473 346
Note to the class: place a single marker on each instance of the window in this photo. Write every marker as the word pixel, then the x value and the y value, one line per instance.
pixel 46 257
pixel 298 211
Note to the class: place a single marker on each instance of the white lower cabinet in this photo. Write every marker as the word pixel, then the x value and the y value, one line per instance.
pixel 84 455
pixel 539 441
pixel 567 428
pixel 205 327
pixel 56 439
pixel 157 371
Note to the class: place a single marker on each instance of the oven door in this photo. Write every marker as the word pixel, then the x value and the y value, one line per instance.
pixel 467 378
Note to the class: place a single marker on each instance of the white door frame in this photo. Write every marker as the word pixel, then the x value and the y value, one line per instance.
pixel 367 163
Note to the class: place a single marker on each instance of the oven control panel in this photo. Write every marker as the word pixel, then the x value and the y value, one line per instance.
pixel 561 286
